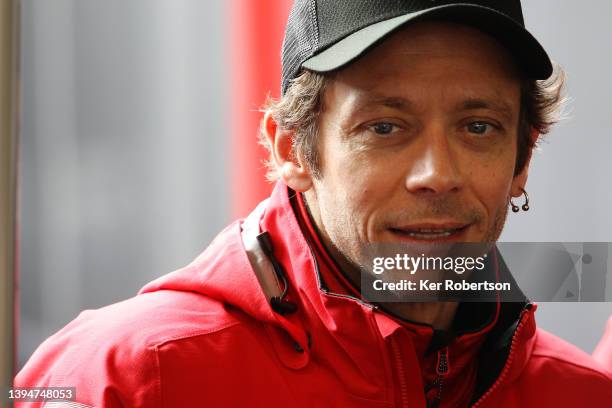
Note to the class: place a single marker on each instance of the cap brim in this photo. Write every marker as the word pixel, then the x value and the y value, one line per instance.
pixel 530 56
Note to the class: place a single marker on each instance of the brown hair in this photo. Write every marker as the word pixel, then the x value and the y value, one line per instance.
pixel 298 111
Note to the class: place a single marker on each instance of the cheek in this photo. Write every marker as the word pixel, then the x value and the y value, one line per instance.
pixel 358 187
pixel 491 181
pixel 363 181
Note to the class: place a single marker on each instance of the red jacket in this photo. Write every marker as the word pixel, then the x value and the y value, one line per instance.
pixel 207 336
pixel 603 351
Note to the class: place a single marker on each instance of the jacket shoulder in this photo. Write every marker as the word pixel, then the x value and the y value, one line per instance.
pixel 110 355
pixel 565 373
pixel 556 373
pixel 551 349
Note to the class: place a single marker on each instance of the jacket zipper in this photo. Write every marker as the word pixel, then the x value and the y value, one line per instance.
pixel 441 371
pixel 401 373
pixel 509 360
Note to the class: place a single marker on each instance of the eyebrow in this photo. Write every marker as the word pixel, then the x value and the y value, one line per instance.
pixel 396 102
pixel 393 102
pixel 499 106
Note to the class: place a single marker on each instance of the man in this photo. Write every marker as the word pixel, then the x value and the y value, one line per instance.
pixel 400 122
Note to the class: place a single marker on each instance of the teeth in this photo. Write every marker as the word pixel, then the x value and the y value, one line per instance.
pixel 429 234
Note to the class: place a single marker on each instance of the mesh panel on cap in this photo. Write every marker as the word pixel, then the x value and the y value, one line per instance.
pixel 301 38
pixel 339 19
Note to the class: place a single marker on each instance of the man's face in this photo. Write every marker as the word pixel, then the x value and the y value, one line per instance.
pixel 418 142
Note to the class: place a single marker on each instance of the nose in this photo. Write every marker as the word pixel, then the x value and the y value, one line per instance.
pixel 435 169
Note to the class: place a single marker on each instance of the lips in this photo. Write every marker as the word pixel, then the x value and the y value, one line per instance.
pixel 431 231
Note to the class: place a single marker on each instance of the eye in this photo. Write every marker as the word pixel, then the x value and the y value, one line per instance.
pixel 384 128
pixel 479 128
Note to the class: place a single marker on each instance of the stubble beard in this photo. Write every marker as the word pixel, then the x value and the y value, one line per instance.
pixel 350 259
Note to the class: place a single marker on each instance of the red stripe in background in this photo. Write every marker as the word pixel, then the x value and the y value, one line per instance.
pixel 256 33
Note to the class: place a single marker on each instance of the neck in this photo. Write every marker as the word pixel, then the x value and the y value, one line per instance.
pixel 439 315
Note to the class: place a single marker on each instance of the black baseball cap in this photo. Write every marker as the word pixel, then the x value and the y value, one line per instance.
pixel 325 35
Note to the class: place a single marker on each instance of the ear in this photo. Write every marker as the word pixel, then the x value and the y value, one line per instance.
pixel 520 180
pixel 292 169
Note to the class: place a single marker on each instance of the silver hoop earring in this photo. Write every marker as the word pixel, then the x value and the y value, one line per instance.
pixel 525 207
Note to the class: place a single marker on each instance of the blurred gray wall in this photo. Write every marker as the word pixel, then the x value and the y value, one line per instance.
pixel 124 122
pixel 124 129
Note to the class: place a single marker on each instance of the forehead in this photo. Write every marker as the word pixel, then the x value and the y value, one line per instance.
pixel 427 55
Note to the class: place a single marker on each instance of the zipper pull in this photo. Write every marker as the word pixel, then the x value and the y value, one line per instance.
pixel 443 367
pixel 441 370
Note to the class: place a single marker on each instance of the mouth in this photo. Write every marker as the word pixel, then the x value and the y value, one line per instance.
pixel 431 232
